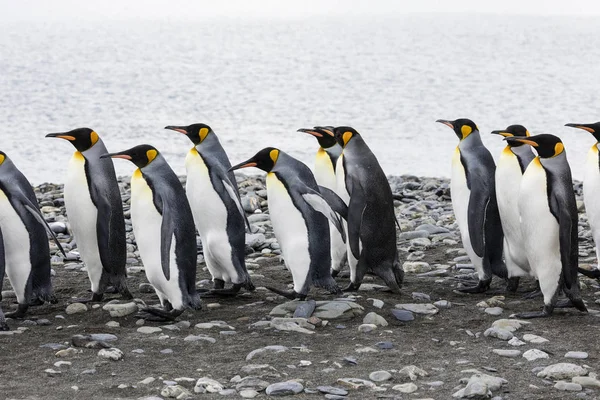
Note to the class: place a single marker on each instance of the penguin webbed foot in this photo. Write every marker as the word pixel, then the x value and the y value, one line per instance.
pixel 20 312
pixel 512 284
pixel 594 273
pixel 158 315
pixel 546 312
pixel 481 287
pixel 36 302
pixel 352 287
pixel 231 292
pixel 533 294
pixel 570 303
pixel 96 298
pixel 288 294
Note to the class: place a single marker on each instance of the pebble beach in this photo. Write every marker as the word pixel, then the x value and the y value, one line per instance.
pixel 430 342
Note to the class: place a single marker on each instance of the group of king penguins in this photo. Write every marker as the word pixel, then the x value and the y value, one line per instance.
pixel 343 214
pixel 519 218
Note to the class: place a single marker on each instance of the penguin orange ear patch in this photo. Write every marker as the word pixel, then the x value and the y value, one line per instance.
pixel 346 137
pixel 466 130
pixel 274 154
pixel 203 133
pixel 558 148
pixel 94 137
pixel 151 155
pixel 2 158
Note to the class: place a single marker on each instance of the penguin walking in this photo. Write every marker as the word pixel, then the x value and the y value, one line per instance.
pixel 163 226
pixel 299 212
pixel 95 212
pixel 325 164
pixel 549 223
pixel 218 214
pixel 591 190
pixel 371 222
pixel 475 207
pixel 513 161
pixel 24 249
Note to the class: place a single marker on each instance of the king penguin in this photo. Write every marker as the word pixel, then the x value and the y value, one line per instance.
pixel 475 207
pixel 24 250
pixel 549 223
pixel 163 226
pixel 218 214
pixel 371 222
pixel 325 164
pixel 95 212
pixel 299 213
pixel 591 191
pixel 513 161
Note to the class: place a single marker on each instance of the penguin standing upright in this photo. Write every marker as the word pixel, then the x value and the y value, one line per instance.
pixel 549 223
pixel 474 202
pixel 299 214
pixel 215 201
pixel 513 161
pixel 591 190
pixel 371 242
pixel 163 226
pixel 325 164
pixel 24 254
pixel 95 212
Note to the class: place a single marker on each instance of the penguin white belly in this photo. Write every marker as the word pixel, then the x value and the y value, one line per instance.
pixel 540 230
pixel 460 194
pixel 210 216
pixel 508 181
pixel 325 176
pixel 591 194
pixel 147 222
pixel 290 230
pixel 83 215
pixel 16 248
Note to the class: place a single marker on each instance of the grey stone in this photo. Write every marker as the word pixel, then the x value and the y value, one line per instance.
pixel 426 309
pixel 403 315
pixel 494 311
pixel 146 288
pixel 498 333
pixel 120 310
pixel 272 349
pixel 562 371
pixel 416 267
pixel 284 388
pixel 587 382
pixel 375 319
pixel 305 309
pixel 510 325
pixel 76 308
pixel 175 392
pixel 149 329
pixel 412 372
pixel 208 385
pixel 332 390
pixel 507 353
pixel 412 235
pixel 197 338
pixel 534 339
pixel 380 376
pixel 365 328
pixel 581 355
pixel 568 386
pixel 337 309
pixel 406 388
pixel 248 393
pixel 442 304
pixel 251 382
pixel 535 354
pixel 112 354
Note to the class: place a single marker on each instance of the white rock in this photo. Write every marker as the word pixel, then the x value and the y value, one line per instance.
pixel 495 311
pixel 149 329
pixel 274 349
pixel 248 393
pixel 364 328
pixel 147 381
pixel 587 382
pixel 516 342
pixel 112 354
pixel 568 386
pixel 510 325
pixel 175 392
pixel 406 387
pixel 113 324
pixel 375 319
pixel 562 371
pixel 377 303
pixel 76 308
pixel 120 310
pixel 417 308
pixel 535 354
pixel 498 333
pixel 507 353
pixel 577 354
pixel 284 388
pixel 61 363
pixel 534 339
pixel 412 372
pixel 208 385
pixel 380 376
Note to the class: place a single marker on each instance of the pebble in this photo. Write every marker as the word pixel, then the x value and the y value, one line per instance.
pixel 76 308
pixel 495 311
pixel 416 267
pixel 273 349
pixel 146 288
pixel 332 390
pixel 577 354
pixel 510 325
pixel 284 388
pixel 248 393
pixel 376 303
pixel 147 381
pixel 568 386
pixel 120 310
pixel 113 324
pixel 507 353
pixel 442 304
pixel 587 381
pixel 562 371
pixel 175 392
pixel 252 382
pixel 412 372
pixel 534 339
pixel 61 363
pixel 498 333
pixel 356 383
pixel 67 352
pixel 375 319
pixel 426 309
pixel 516 342
pixel 208 385
pixel 365 328
pixel 380 376
pixel 403 315
pixel 112 354
pixel 535 354
pixel 52 372
pixel 385 345
pixel 196 338
pixel 406 387
pixel 149 329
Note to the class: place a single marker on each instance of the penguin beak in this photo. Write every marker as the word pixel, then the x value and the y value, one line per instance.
pixel 246 164
pixel 503 133
pixel 180 129
pixel 311 132
pixel 117 155
pixel 445 122
pixel 581 126
pixel 61 136
pixel 322 129
pixel 526 141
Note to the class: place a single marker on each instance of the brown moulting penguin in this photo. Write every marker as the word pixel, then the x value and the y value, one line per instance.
pixel 163 226
pixel 473 193
pixel 591 190
pixel 95 212
pixel 24 249
pixel 549 224
pixel 299 211
pixel 514 159
pixel 371 222
pixel 325 163
pixel 216 205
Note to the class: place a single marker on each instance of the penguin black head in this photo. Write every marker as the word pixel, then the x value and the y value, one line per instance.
pixel 141 155
pixel 264 159
pixel 323 134
pixel 513 131
pixel 195 132
pixel 343 134
pixel 594 129
pixel 463 127
pixel 81 138
pixel 547 146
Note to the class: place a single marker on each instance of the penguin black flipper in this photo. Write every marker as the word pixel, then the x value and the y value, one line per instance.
pixel 569 272
pixel 335 202
pixel 319 204
pixel 37 214
pixel 235 196
pixel 167 228
pixel 3 324
pixel 356 210
pixel 479 202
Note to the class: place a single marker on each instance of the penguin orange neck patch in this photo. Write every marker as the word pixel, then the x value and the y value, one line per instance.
pixel 203 133
pixel 94 138
pixel 151 155
pixel 346 137
pixel 465 130
pixel 2 158
pixel 274 154
pixel 558 148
